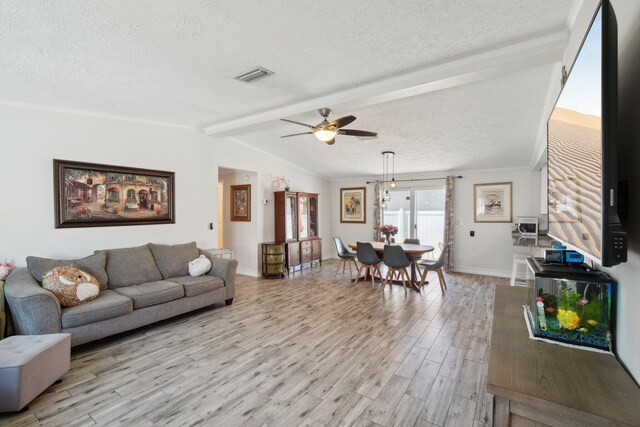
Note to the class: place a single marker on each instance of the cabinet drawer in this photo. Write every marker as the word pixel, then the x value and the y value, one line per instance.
pixel 274 258
pixel 273 268
pixel 306 257
pixel 305 245
pixel 274 249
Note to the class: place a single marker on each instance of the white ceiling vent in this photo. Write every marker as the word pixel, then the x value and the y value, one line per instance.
pixel 252 75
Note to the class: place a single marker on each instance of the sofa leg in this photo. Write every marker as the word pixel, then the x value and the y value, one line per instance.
pixel 228 301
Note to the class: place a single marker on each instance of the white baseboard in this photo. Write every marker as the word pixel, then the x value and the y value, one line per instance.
pixel 481 271
pixel 248 272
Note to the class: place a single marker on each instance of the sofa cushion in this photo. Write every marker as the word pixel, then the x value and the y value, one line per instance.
pixel 109 304
pixel 152 293
pixel 196 285
pixel 93 264
pixel 173 260
pixel 131 266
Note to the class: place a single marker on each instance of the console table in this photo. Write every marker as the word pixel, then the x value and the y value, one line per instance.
pixel 542 384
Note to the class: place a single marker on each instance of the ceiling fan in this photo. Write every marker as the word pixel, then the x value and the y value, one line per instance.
pixel 326 131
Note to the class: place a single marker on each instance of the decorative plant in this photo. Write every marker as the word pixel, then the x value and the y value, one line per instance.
pixel 279 181
pixel 592 313
pixel 575 311
pixel 5 269
pixel 388 230
pixel 570 304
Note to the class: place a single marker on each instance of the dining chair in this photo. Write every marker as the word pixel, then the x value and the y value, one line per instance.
pixel 417 242
pixel 428 265
pixel 345 256
pixel 396 261
pixel 368 260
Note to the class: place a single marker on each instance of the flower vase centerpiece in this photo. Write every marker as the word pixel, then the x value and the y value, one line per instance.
pixel 388 231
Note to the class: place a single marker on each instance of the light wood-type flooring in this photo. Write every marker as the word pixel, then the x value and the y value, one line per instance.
pixel 308 350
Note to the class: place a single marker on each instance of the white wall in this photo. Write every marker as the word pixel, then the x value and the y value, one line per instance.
pixel 31 138
pixel 490 251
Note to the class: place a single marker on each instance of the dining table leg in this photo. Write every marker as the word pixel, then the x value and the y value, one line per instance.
pixel 414 276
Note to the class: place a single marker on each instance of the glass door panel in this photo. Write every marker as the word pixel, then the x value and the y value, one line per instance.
pixel 313 216
pixel 303 217
pixel 429 208
pixel 291 231
pixel 398 213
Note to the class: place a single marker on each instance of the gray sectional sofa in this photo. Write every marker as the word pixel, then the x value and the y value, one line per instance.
pixel 139 286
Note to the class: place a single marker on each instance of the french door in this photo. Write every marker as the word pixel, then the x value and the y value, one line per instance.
pixel 419 214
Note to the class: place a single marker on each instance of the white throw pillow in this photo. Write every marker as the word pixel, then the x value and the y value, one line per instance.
pixel 199 266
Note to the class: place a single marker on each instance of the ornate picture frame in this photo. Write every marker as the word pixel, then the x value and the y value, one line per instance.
pixel 97 195
pixel 240 202
pixel 353 205
pixel 492 202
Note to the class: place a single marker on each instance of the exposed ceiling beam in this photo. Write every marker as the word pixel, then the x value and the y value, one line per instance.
pixel 486 65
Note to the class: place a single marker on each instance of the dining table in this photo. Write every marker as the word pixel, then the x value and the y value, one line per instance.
pixel 414 253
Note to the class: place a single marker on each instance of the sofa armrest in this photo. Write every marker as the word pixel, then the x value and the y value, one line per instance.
pixel 225 269
pixel 34 310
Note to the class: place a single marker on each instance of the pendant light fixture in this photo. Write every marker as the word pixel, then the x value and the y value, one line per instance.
pixel 386 196
pixel 393 171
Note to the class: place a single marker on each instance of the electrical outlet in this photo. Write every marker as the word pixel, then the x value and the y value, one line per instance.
pixel 472 233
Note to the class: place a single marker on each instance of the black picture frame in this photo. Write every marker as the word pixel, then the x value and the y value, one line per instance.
pixel 98 195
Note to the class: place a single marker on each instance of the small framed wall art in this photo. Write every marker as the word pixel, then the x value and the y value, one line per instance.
pixel 95 195
pixel 492 202
pixel 241 202
pixel 353 205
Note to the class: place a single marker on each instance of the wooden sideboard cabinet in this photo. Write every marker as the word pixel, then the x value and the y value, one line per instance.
pixel 297 225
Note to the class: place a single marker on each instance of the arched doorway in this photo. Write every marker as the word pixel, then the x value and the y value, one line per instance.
pixel 143 196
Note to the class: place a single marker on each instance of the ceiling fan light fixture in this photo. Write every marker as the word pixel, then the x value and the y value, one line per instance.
pixel 325 135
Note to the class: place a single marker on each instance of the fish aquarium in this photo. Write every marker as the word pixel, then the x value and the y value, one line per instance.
pixel 571 304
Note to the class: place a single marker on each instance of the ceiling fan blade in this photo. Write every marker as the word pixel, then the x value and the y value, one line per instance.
pixel 296 134
pixel 342 121
pixel 354 132
pixel 331 141
pixel 298 123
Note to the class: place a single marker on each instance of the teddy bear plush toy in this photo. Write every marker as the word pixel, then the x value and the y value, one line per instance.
pixel 70 285
pixel 5 269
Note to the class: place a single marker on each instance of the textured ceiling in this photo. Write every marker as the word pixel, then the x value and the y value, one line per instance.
pixel 487 124
pixel 173 61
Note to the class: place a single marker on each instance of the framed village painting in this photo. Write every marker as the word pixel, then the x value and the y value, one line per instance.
pixel 241 202
pixel 492 202
pixel 353 202
pixel 95 195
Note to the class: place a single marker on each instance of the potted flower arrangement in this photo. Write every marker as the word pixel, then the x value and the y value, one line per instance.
pixel 388 231
pixel 279 181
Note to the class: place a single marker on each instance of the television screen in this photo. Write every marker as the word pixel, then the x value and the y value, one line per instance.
pixel 574 152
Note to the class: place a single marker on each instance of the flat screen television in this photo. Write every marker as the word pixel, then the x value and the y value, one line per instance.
pixel 582 141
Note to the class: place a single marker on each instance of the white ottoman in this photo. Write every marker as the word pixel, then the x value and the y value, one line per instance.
pixel 29 364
